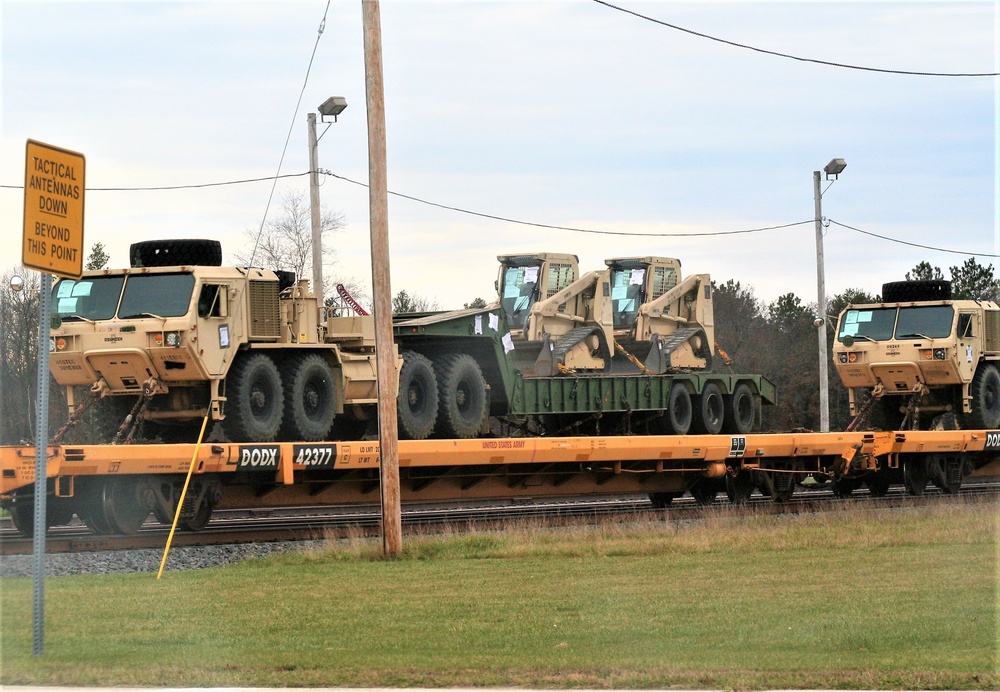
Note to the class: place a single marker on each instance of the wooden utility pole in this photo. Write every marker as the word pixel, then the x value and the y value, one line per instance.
pixel 378 201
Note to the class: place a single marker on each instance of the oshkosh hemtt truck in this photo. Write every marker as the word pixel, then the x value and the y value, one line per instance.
pixel 919 354
pixel 191 338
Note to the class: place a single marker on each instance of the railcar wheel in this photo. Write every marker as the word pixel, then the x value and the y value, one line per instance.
pixel 679 410
pixel 710 410
pixel 740 487
pixel 126 505
pixel 985 392
pixel 200 519
pixel 23 518
pixel 740 410
pixel 704 491
pixel 845 487
pixel 945 472
pixel 461 396
pixel 915 475
pixel 662 500
pixel 254 407
pixel 878 483
pixel 93 510
pixel 58 511
pixel 309 398
pixel 417 403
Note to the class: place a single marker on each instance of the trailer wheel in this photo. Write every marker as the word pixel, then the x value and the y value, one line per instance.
pixel 740 411
pixel 417 403
pixel 310 398
pixel 253 408
pixel 710 411
pixel 170 253
pixel 985 393
pixel 679 411
pixel 461 396
pixel 911 291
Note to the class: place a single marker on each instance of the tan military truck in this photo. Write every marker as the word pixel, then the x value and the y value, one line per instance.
pixel 920 354
pixel 190 337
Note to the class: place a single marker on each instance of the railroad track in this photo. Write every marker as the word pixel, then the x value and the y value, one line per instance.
pixel 357 521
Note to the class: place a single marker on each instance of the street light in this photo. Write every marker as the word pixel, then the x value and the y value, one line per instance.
pixel 332 107
pixel 834 169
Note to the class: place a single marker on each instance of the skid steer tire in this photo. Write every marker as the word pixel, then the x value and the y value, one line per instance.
pixel 171 253
pixel 310 398
pixel 911 291
pixel 417 403
pixel 461 396
pixel 254 399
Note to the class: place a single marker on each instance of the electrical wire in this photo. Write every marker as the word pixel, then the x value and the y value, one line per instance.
pixel 566 228
pixel 906 242
pixel 794 57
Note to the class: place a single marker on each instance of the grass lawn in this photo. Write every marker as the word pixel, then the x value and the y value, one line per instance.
pixel 903 599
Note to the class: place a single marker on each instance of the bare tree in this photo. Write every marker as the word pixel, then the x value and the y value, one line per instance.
pixel 285 242
pixel 18 355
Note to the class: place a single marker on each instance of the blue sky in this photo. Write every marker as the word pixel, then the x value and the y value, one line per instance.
pixel 559 113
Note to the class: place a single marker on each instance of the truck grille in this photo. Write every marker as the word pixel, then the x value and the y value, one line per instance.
pixel 265 315
pixel 991 341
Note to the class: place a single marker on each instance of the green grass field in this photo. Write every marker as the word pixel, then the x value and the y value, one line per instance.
pixel 854 598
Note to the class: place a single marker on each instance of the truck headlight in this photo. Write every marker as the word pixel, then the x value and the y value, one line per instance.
pixel 843 357
pixel 939 354
pixel 172 339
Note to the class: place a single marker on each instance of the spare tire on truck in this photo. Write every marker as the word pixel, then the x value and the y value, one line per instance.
pixel 172 253
pixel 910 291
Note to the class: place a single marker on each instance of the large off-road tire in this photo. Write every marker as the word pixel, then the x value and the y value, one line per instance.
pixel 417 404
pixel 985 392
pixel 709 410
pixel 171 253
pixel 910 291
pixel 310 398
pixel 461 396
pixel 679 410
pixel 741 410
pixel 253 399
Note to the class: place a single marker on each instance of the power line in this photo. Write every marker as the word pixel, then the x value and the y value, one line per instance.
pixel 794 57
pixel 906 242
pixel 177 187
pixel 568 228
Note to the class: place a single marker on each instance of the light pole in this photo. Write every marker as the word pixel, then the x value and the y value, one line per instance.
pixel 332 107
pixel 834 168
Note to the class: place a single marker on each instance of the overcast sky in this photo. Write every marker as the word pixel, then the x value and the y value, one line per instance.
pixel 560 113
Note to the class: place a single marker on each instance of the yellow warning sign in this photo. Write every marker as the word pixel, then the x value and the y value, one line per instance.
pixel 53 210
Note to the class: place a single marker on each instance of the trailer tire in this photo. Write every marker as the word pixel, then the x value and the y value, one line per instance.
pixel 985 392
pixel 741 410
pixel 461 396
pixel 912 291
pixel 679 410
pixel 254 393
pixel 170 253
pixel 309 398
pixel 417 403
pixel 710 410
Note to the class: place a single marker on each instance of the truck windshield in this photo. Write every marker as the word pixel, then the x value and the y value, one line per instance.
pixel 156 295
pixel 518 293
pixel 928 321
pixel 884 324
pixel 90 298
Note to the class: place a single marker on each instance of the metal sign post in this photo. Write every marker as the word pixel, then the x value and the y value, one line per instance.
pixel 54 186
